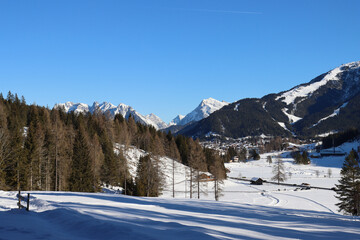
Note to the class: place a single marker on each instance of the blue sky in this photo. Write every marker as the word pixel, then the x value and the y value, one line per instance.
pixel 166 56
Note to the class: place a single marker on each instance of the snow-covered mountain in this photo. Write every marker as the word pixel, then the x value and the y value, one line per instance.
pixel 176 120
pixel 205 108
pixel 108 108
pixel 329 102
pixel 346 77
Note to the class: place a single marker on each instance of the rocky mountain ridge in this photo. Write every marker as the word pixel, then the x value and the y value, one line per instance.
pixel 329 102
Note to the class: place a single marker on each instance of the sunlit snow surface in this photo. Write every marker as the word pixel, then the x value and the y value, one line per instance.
pixel 306 90
pixel 244 211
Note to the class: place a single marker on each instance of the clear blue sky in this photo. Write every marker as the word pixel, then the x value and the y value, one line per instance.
pixel 166 56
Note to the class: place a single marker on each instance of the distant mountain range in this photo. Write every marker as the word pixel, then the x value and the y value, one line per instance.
pixel 330 102
pixel 206 107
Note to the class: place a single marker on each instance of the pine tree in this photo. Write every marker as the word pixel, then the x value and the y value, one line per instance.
pixel 109 169
pixel 349 185
pixel 97 159
pixel 279 171
pixel 5 155
pixel 254 154
pixel 147 181
pixel 81 177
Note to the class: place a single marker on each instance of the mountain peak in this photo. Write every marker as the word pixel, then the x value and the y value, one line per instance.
pixel 106 107
pixel 205 108
pixel 327 103
pixel 305 90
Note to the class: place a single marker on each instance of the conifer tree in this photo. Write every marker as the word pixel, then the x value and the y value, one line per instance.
pixel 254 155
pixel 97 159
pixel 349 185
pixel 5 155
pixel 109 169
pixel 81 177
pixel 147 181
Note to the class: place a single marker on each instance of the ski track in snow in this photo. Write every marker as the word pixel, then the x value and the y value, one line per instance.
pixel 308 199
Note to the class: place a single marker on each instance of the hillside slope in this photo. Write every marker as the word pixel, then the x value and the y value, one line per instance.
pixel 244 211
pixel 330 102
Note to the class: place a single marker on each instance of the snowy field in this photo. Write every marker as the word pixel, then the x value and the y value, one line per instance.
pixel 244 211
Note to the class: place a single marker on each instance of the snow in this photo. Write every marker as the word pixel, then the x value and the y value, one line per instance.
pixel 326 134
pixel 304 91
pixel 283 125
pixel 109 216
pixel 292 118
pixel 156 121
pixel 176 120
pixel 244 211
pixel 205 108
pixel 105 107
pixel 236 108
pixel 335 113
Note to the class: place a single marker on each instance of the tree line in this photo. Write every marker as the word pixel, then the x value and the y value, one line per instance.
pixel 51 150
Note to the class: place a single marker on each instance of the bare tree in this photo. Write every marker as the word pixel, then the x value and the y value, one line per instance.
pixel 197 163
pixel 279 171
pixel 218 180
pixel 269 159
pixel 329 172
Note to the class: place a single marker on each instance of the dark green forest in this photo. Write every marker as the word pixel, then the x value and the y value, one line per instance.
pixel 50 150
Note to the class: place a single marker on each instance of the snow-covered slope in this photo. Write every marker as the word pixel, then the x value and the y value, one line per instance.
pixel 106 107
pixel 156 121
pixel 176 120
pixel 110 216
pixel 303 91
pixel 244 211
pixel 205 108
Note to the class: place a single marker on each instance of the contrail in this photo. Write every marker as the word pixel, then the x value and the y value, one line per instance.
pixel 217 11
pixel 211 11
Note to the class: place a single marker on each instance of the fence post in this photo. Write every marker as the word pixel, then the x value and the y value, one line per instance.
pixel 19 200
pixel 28 202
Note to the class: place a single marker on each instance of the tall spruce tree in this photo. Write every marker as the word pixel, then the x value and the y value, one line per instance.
pixel 81 177
pixel 147 181
pixel 109 169
pixel 349 185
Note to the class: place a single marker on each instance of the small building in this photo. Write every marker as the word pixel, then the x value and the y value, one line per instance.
pixel 256 181
pixel 204 177
pixel 292 148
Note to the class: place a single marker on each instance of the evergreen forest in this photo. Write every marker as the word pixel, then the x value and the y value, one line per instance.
pixel 50 150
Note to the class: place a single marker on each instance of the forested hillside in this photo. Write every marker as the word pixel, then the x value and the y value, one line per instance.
pixel 328 103
pixel 43 149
